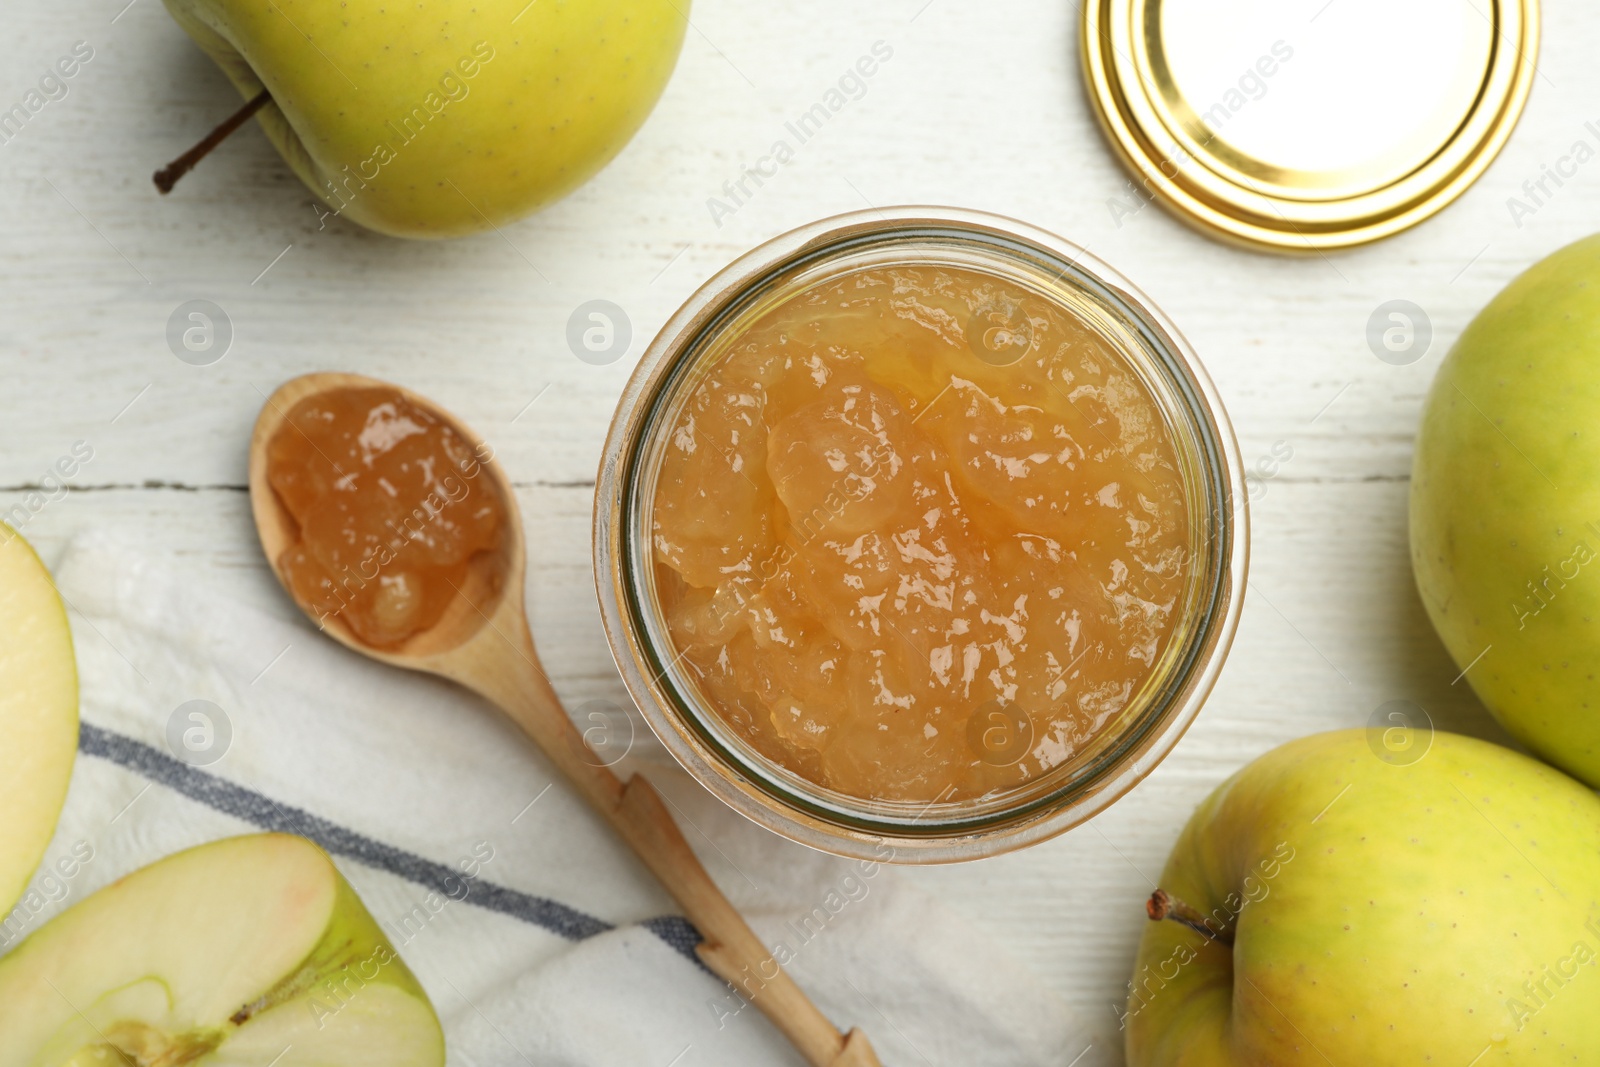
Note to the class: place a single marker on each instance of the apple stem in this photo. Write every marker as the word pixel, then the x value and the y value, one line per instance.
pixel 1163 905
pixel 168 176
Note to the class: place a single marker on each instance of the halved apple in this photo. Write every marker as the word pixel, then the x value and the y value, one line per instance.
pixel 38 712
pixel 244 952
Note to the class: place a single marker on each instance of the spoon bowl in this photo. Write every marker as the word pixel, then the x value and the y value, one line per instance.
pixel 494 579
pixel 483 642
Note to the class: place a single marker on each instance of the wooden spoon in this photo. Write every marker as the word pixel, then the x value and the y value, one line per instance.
pixel 483 642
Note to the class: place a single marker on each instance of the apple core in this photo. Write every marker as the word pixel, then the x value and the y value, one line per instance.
pixel 250 951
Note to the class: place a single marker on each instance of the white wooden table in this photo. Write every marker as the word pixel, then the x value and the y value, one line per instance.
pixel 980 106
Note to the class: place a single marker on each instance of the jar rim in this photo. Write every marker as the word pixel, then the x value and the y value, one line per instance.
pixel 777 798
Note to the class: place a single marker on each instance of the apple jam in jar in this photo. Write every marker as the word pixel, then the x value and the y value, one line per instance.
pixel 919 529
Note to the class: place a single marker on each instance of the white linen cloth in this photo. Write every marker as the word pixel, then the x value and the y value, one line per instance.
pixel 558 949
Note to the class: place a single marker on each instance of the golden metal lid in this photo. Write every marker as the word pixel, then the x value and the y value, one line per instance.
pixel 1306 125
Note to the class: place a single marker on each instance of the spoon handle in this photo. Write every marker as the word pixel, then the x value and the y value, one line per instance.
pixel 519 687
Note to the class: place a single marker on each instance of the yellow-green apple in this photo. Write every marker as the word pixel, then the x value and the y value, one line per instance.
pixel 1505 501
pixel 38 712
pixel 442 117
pixel 244 952
pixel 1338 907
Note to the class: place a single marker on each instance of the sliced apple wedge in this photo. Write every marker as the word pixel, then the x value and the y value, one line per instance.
pixel 38 712
pixel 242 953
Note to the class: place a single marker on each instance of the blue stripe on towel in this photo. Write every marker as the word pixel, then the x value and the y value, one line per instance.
pixel 258 809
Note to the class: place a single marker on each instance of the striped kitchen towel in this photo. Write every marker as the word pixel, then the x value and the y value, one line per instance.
pixel 539 938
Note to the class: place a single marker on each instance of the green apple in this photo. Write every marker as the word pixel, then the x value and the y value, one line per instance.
pixel 38 713
pixel 1505 502
pixel 245 952
pixel 1366 910
pixel 443 117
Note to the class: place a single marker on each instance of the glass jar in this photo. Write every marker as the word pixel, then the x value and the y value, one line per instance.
pixel 1156 714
